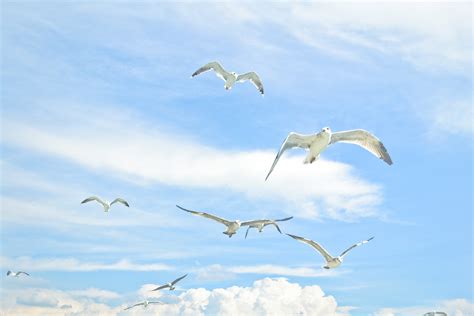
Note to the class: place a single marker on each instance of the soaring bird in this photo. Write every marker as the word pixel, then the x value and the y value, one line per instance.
pixel 106 204
pixel 317 143
pixel 170 285
pixel 16 274
pixel 232 226
pixel 435 313
pixel 231 78
pixel 261 223
pixel 145 304
pixel 331 262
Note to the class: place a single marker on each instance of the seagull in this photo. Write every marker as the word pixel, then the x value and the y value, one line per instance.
pixel 331 262
pixel 106 204
pixel 232 227
pixel 231 78
pixel 16 274
pixel 170 285
pixel 317 143
pixel 435 313
pixel 145 304
pixel 261 223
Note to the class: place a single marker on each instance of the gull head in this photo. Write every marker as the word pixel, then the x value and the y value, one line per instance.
pixel 326 130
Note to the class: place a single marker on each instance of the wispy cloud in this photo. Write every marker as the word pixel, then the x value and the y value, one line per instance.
pixel 72 264
pixel 144 154
pixel 454 118
pixel 217 272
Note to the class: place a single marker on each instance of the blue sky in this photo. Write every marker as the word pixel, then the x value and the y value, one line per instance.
pixel 97 99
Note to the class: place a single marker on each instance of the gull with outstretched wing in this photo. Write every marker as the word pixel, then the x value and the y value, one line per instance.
pixel 105 204
pixel 170 285
pixel 232 226
pixel 331 262
pixel 231 78
pixel 145 304
pixel 16 274
pixel 261 223
pixel 317 143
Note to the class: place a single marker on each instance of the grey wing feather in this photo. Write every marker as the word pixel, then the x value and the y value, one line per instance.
pixel 161 287
pixel 254 78
pixel 157 302
pixel 93 198
pixel 247 232
pixel 121 201
pixel 20 272
pixel 248 223
pixel 206 215
pixel 274 224
pixel 315 245
pixel 284 219
pixel 355 245
pixel 292 140
pixel 365 140
pixel 178 279
pixel 133 306
pixel 218 69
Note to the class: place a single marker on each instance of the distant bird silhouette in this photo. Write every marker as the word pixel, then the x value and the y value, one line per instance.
pixel 105 203
pixel 261 223
pixel 170 285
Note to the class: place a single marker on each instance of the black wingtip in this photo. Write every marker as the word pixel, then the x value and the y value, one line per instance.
pixel 371 238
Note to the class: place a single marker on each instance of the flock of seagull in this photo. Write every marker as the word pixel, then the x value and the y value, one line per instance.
pixel 315 144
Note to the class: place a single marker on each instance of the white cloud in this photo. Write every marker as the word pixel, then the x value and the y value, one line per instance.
pixel 264 297
pixel 145 154
pixel 96 293
pixel 71 264
pixel 217 272
pixel 454 307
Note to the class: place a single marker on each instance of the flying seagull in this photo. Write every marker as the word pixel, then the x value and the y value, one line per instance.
pixel 317 143
pixel 16 274
pixel 106 204
pixel 331 262
pixel 231 78
pixel 170 285
pixel 435 313
pixel 261 223
pixel 145 304
pixel 232 227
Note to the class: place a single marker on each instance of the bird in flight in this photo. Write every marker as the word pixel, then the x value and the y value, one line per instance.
pixel 435 313
pixel 232 226
pixel 170 285
pixel 261 223
pixel 16 274
pixel 317 143
pixel 231 78
pixel 145 304
pixel 331 262
pixel 105 203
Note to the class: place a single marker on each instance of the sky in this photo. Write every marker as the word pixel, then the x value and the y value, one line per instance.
pixel 97 99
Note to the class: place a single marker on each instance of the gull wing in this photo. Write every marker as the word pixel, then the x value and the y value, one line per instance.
pixel 161 287
pixel 20 272
pixel 274 224
pixel 254 78
pixel 94 198
pixel 365 140
pixel 250 223
pixel 315 245
pixel 283 219
pixel 247 232
pixel 178 279
pixel 292 140
pixel 138 304
pixel 120 200
pixel 355 245
pixel 206 215
pixel 218 69
pixel 155 302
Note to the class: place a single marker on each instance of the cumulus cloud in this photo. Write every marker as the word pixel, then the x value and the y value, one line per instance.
pixel 71 264
pixel 455 307
pixel 149 155
pixel 264 297
pixel 37 299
